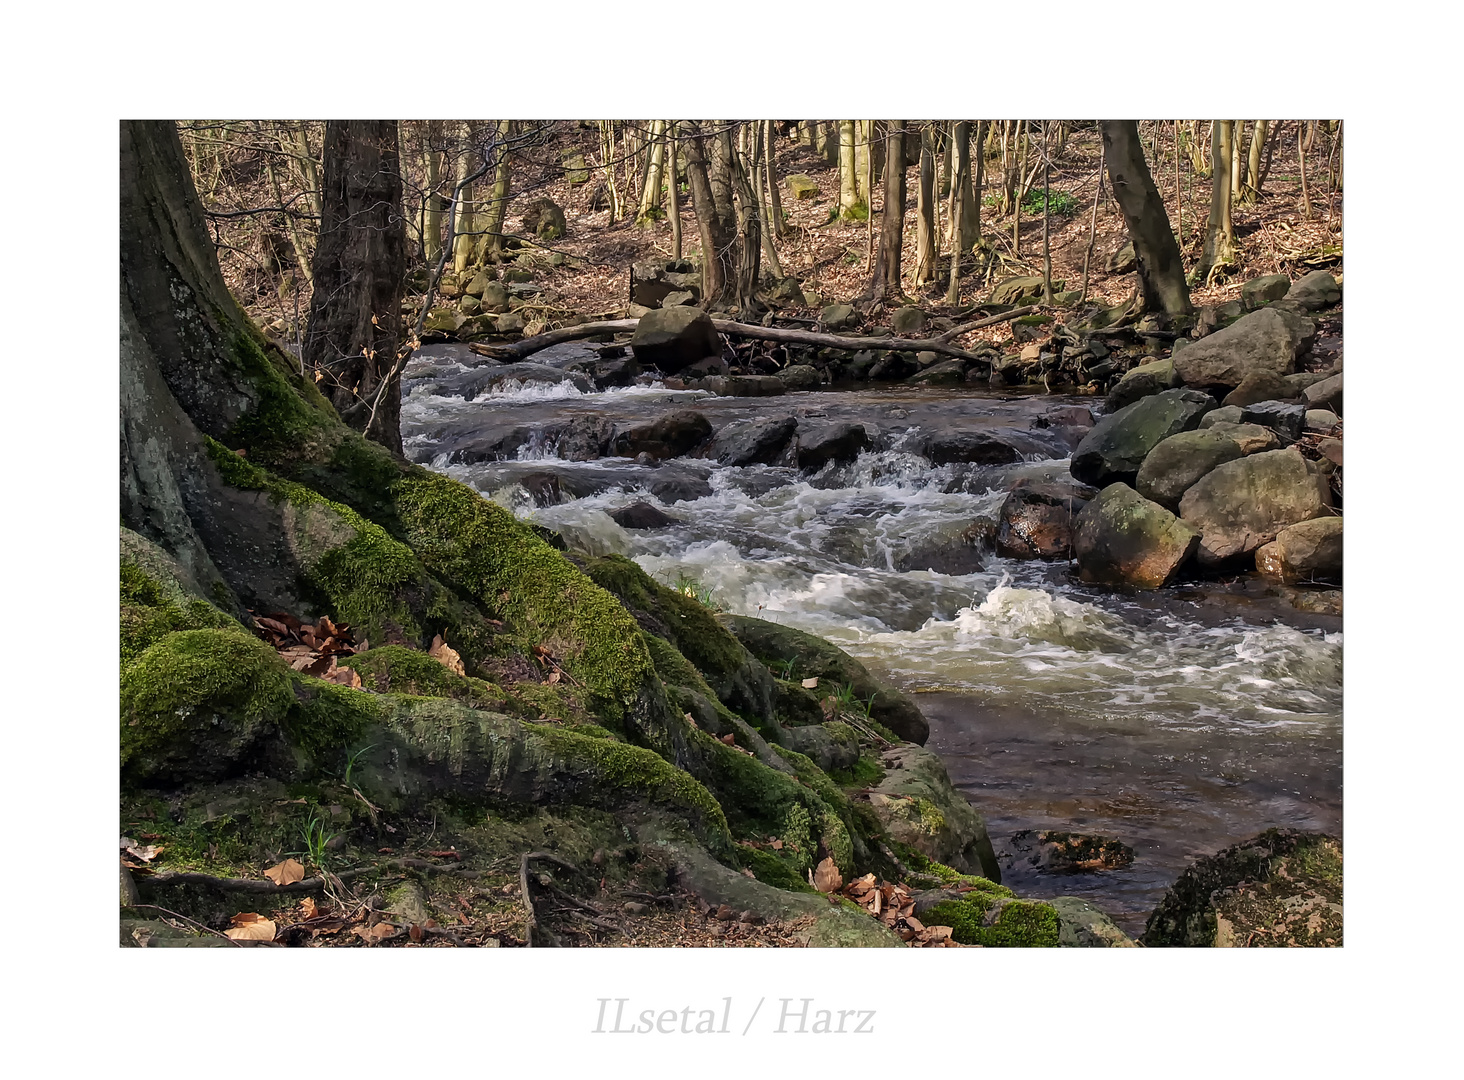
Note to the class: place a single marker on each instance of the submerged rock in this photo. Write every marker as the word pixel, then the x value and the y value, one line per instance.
pixel 641 515
pixel 1069 852
pixel 1080 925
pixel 1122 538
pixel 968 447
pixel 818 444
pixel 673 435
pixel 1281 888
pixel 753 442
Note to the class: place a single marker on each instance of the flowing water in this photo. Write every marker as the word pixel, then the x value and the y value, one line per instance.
pixel 1177 722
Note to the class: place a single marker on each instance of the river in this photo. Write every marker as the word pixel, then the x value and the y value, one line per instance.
pixel 1177 722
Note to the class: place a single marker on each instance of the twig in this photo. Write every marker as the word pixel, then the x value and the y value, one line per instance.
pixel 190 922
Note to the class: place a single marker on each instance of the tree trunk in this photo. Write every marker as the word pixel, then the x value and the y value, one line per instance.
pixel 850 205
pixel 462 245
pixel 673 197
pixel 432 212
pixel 650 201
pixel 1161 270
pixel 755 173
pixel 973 217
pixel 748 224
pixel 926 244
pixel 491 221
pixel 1093 223
pixel 1253 165
pixel 1301 145
pixel 1219 250
pixel 1046 216
pixel 778 225
pixel 607 157
pixel 716 239
pixel 886 280
pixel 1237 162
pixel 302 257
pixel 360 265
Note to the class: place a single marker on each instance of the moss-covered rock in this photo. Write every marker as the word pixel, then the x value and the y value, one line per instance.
pixel 996 922
pixel 918 807
pixel 804 656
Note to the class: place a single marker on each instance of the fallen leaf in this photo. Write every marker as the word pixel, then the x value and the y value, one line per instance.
pixel 344 676
pixel 552 679
pixel 145 852
pixel 446 656
pixel 776 845
pixel 415 933
pixel 809 684
pixel 320 667
pixel 826 877
pixel 271 624
pixel 286 873
pixel 308 909
pixel 453 855
pixel 251 926
pixel 729 738
pixel 374 935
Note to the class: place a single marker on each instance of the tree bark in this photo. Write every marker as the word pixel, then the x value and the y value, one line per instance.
pixel 673 197
pixel 716 239
pixel 1253 164
pixel 886 280
pixel 849 202
pixel 650 201
pixel 1219 250
pixel 462 245
pixel 778 225
pixel 354 332
pixel 926 245
pixel 1161 269
pixel 491 220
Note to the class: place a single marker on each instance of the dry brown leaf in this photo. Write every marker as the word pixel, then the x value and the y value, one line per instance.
pixel 286 873
pixel 729 738
pixel 446 656
pixel 776 845
pixel 343 676
pixel 553 678
pixel 308 910
pixel 251 926
pixel 145 852
pixel 415 933
pixel 320 667
pixel 809 684
pixel 374 935
pixel 826 877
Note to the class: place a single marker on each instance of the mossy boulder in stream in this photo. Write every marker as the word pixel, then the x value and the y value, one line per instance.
pixel 918 807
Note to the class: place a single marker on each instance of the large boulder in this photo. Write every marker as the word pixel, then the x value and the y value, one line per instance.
pixel 753 442
pixel 907 320
pixel 1265 340
pixel 1315 291
pixel 945 373
pixel 800 377
pixel 674 338
pixel 1280 889
pixel 1310 551
pixel 1244 503
pixel 953 549
pixel 545 219
pixel 1178 462
pixel 1083 926
pixel 1251 438
pixel 1122 538
pixel 968 447
pixel 576 171
pixel 1038 517
pixel 802 187
pixel 785 648
pixel 673 435
pixel 818 444
pixel 838 316
pixel 1258 292
pixel 918 806
pixel 1120 441
pixel 1016 289
pixel 1152 378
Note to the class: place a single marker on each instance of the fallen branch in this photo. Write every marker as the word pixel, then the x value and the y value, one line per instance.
pixel 250 885
pixel 528 346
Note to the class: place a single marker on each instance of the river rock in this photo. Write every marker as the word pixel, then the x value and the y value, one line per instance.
pixel 838 316
pixel 946 373
pixel 1258 292
pixel 674 338
pixel 641 515
pixel 622 372
pixel 1310 551
pixel 1264 340
pixel 1058 852
pixel 753 442
pixel 917 805
pixel 813 657
pixel 477 381
pixel 1326 394
pixel 1179 461
pixel 818 444
pixel 673 435
pixel 1038 517
pixel 968 447
pixel 469 305
pixel 1260 386
pixel 1300 380
pixel 1120 441
pixel 1244 503
pixel 1226 414
pixel 907 320
pixel 892 367
pixel 747 386
pixel 1122 538
pixel 443 320
pixel 1251 438
pixel 1315 291
pixel 1080 925
pixel 510 323
pixel 1281 888
pixel 1285 417
pixel 1321 420
pixel 800 377
pixel 953 550
pixel 1152 378
pixel 833 745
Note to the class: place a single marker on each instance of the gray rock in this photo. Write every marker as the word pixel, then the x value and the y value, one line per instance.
pixel 1152 378
pixel 1037 519
pixel 673 435
pixel 968 447
pixel 1251 438
pixel 1326 394
pixel 1260 386
pixel 1122 538
pixel 1244 503
pixel 1081 925
pixel 1285 417
pixel 1300 380
pixel 907 320
pixel 800 377
pixel 1120 441
pixel 1309 552
pixel 831 746
pixel 1315 291
pixel 1229 414
pixel 671 339
pixel 576 172
pixel 641 515
pixel 892 367
pixel 802 187
pixel 1178 463
pixel 917 805
pixel 1264 340
pixel 819 444
pixel 545 219
pixel 747 386
pixel 408 901
pixel 679 299
pixel 1258 292
pixel 510 323
pixel 838 316
pixel 1322 420
pixel 753 442
pixel 1057 852
pixel 1123 260
pixel 1016 289
pixel 946 373
pixel 494 297
pixel 953 550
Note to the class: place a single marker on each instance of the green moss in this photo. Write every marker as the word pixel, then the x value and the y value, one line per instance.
pixel 1316 860
pixel 768 868
pixel 866 772
pixel 940 874
pixel 481 549
pixel 1018 924
pixel 326 717
pixel 151 610
pixel 292 419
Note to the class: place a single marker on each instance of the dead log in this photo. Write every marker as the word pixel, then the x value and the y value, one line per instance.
pixel 528 346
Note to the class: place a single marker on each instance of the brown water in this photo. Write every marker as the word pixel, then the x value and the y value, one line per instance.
pixel 1177 722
